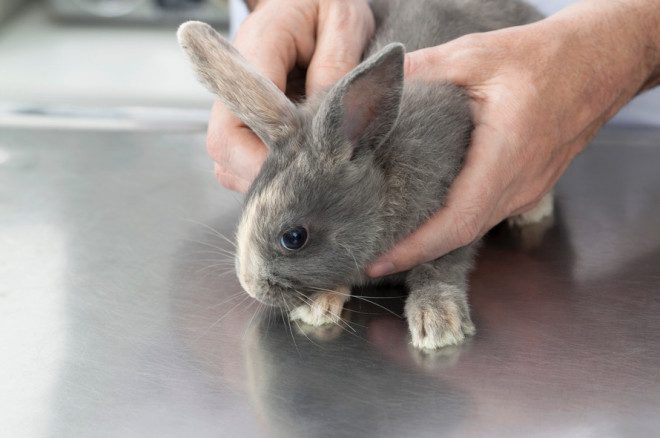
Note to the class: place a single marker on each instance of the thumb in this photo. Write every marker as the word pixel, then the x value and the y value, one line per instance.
pixel 471 202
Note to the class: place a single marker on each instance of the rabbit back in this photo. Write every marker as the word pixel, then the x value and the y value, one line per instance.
pixel 425 23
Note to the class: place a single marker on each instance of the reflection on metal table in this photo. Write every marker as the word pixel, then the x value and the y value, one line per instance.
pixel 120 314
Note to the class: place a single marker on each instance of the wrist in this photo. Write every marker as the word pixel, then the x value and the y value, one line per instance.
pixel 628 32
pixel 610 49
pixel 649 16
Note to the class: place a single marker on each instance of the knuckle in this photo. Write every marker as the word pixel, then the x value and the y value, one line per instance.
pixel 410 65
pixel 349 16
pixel 470 40
pixel 417 61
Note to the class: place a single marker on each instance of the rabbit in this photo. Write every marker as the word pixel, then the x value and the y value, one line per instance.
pixel 354 169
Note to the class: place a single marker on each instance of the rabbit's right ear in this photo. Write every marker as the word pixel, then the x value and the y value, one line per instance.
pixel 251 97
pixel 363 106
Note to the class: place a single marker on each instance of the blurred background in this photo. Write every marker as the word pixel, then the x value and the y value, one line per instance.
pixel 96 63
pixel 116 63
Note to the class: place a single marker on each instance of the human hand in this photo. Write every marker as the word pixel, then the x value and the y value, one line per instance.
pixel 326 37
pixel 539 94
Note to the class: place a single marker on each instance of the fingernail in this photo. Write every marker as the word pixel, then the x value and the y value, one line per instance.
pixel 381 268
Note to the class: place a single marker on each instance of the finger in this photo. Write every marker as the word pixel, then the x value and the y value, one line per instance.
pixel 456 61
pixel 343 33
pixel 268 46
pixel 238 152
pixel 471 201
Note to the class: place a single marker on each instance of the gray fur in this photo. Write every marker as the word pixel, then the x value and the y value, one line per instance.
pixel 254 99
pixel 371 160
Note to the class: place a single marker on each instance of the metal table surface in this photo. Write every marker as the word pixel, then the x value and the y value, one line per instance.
pixel 120 315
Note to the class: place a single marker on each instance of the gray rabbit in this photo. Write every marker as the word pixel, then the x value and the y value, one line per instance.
pixel 353 170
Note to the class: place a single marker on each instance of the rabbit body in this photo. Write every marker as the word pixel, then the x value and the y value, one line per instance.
pixel 426 23
pixel 357 168
pixel 425 152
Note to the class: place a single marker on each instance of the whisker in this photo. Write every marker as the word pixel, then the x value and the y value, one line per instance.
pixel 269 317
pixel 223 261
pixel 360 312
pixel 288 311
pixel 303 331
pixel 214 231
pixel 348 250
pixel 360 297
pixel 356 296
pixel 348 325
pixel 215 265
pixel 218 275
pixel 221 318
pixel 340 319
pixel 215 273
pixel 249 324
pixel 213 251
pixel 226 300
pixel 219 248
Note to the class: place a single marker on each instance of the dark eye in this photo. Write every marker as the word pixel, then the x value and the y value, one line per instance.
pixel 294 238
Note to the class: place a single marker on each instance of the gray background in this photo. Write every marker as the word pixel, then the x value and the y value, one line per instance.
pixel 48 63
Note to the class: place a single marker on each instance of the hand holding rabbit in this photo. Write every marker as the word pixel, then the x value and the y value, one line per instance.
pixel 539 93
pixel 325 37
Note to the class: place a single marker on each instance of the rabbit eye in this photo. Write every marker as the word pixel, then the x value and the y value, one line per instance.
pixel 293 239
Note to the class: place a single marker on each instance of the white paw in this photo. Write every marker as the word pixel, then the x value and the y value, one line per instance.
pixel 325 308
pixel 437 325
pixel 544 209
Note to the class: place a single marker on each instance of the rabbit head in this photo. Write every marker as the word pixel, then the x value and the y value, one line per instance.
pixel 313 217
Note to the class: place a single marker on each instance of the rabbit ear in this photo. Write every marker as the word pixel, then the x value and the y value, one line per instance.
pixel 364 106
pixel 251 97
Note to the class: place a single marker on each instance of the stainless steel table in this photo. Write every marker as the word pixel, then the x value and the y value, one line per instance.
pixel 120 315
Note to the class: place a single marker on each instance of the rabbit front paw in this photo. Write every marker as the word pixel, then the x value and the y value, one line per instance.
pixel 437 320
pixel 322 308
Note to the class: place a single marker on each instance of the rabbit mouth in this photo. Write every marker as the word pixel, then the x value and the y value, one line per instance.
pixel 281 294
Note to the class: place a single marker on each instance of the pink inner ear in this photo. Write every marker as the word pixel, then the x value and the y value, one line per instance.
pixel 361 103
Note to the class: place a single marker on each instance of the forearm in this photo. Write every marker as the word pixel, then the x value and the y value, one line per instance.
pixel 602 55
pixel 625 31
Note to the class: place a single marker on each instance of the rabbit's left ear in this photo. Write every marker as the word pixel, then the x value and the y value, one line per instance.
pixel 251 97
pixel 364 106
